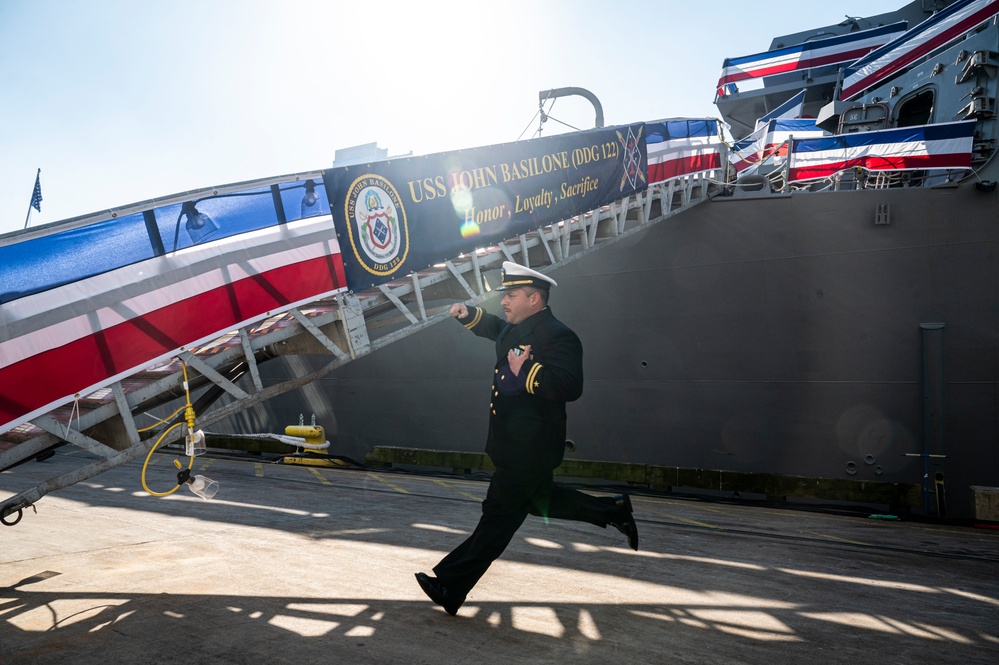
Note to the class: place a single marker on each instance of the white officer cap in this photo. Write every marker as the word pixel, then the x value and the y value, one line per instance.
pixel 515 276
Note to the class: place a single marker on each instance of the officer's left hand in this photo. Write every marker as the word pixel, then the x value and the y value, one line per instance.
pixel 517 361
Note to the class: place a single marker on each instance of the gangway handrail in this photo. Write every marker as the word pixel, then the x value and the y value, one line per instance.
pixel 21 235
pixel 151 229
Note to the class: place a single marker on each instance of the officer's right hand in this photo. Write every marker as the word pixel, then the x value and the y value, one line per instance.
pixel 458 310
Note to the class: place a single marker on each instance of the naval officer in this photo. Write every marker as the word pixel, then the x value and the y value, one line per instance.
pixel 539 367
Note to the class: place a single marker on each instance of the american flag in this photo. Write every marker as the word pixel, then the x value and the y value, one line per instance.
pixel 36 196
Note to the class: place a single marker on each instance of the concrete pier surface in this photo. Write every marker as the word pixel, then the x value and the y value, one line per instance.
pixel 292 564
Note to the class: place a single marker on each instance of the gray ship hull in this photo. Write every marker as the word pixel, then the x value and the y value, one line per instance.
pixel 787 335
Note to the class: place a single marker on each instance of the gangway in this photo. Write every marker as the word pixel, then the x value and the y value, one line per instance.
pixel 345 325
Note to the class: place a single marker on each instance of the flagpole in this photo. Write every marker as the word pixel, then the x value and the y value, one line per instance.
pixel 30 205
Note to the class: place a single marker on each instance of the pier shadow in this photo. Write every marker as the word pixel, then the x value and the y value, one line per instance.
pixel 40 627
pixel 323 574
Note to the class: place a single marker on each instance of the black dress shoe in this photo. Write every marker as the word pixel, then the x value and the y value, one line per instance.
pixel 626 524
pixel 439 593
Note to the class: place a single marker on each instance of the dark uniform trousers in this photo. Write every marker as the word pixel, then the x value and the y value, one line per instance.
pixel 512 495
pixel 526 443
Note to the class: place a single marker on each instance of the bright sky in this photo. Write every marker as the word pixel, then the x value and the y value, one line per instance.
pixel 119 101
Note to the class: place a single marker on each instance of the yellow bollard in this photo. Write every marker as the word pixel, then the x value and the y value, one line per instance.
pixel 313 434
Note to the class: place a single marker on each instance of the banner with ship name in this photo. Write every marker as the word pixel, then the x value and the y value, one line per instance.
pixel 931 34
pixel 752 69
pixel 397 216
pixel 770 140
pixel 942 146
pixel 681 146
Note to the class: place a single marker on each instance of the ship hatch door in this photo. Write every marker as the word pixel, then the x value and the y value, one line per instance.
pixel 864 118
pixel 916 110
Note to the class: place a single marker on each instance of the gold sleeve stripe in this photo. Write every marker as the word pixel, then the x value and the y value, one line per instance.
pixel 474 322
pixel 531 376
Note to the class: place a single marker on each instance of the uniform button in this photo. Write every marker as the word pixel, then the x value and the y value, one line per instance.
pixel 494 413
pixel 503 378
pixel 495 371
pixel 490 405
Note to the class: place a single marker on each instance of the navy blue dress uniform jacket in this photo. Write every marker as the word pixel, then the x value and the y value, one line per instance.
pixel 527 412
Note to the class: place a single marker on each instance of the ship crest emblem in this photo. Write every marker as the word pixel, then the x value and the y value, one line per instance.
pixel 631 158
pixel 376 223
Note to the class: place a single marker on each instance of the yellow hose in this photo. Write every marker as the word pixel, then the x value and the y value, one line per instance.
pixel 189 419
pixel 190 463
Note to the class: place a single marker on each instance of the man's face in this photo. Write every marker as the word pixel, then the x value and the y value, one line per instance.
pixel 518 304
